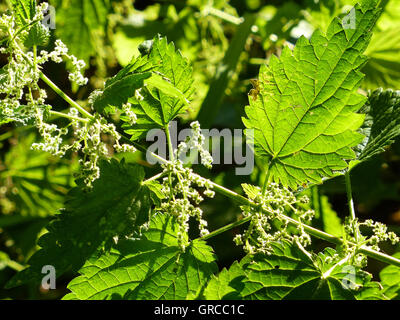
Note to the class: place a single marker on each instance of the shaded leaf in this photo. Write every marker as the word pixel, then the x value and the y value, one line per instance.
pixel 290 274
pixel 325 217
pixel 150 268
pixel 383 67
pixel 382 123
pixel 390 280
pixel 228 283
pixel 35 182
pixel 224 71
pixel 118 205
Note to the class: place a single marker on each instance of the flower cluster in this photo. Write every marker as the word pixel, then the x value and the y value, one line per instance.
pixel 195 142
pixel 22 72
pixel 94 95
pixel 52 136
pixel 183 199
pixel 60 54
pixel 355 240
pixel 93 149
pixel 128 115
pixel 268 222
pixel 180 187
pixel 380 234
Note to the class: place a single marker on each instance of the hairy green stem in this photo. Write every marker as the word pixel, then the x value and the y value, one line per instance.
pixel 156 177
pixel 35 56
pixel 61 93
pixel 67 116
pixel 170 147
pixel 226 228
pixel 328 273
pixel 15 265
pixel 267 180
pixel 208 10
pixel 380 256
pixel 351 204
pixel 350 196
pixel 171 158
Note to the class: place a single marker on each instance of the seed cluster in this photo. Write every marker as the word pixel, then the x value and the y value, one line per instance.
pixel 268 220
pixel 355 239
pixel 195 142
pixel 180 187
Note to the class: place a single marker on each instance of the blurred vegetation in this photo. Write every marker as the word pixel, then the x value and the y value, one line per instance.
pixel 226 41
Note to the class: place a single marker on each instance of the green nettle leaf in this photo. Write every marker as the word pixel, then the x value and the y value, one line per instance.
pixel 250 190
pixel 382 123
pixel 38 35
pixel 290 274
pixel 153 267
pixel 117 206
pixel 228 283
pixel 157 193
pixel 25 11
pixel 36 182
pixel 118 91
pixel 304 115
pixel 390 280
pixel 158 85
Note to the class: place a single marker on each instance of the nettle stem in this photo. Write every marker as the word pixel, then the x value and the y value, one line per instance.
pixel 170 146
pixel 266 181
pixel 225 228
pixel 61 93
pixel 343 261
pixel 209 10
pixel 351 205
pixel 67 116
pixel 171 158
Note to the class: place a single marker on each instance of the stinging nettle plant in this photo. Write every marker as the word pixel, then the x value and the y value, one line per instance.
pixel 127 234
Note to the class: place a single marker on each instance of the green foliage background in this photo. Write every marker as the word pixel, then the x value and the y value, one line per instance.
pixel 224 56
